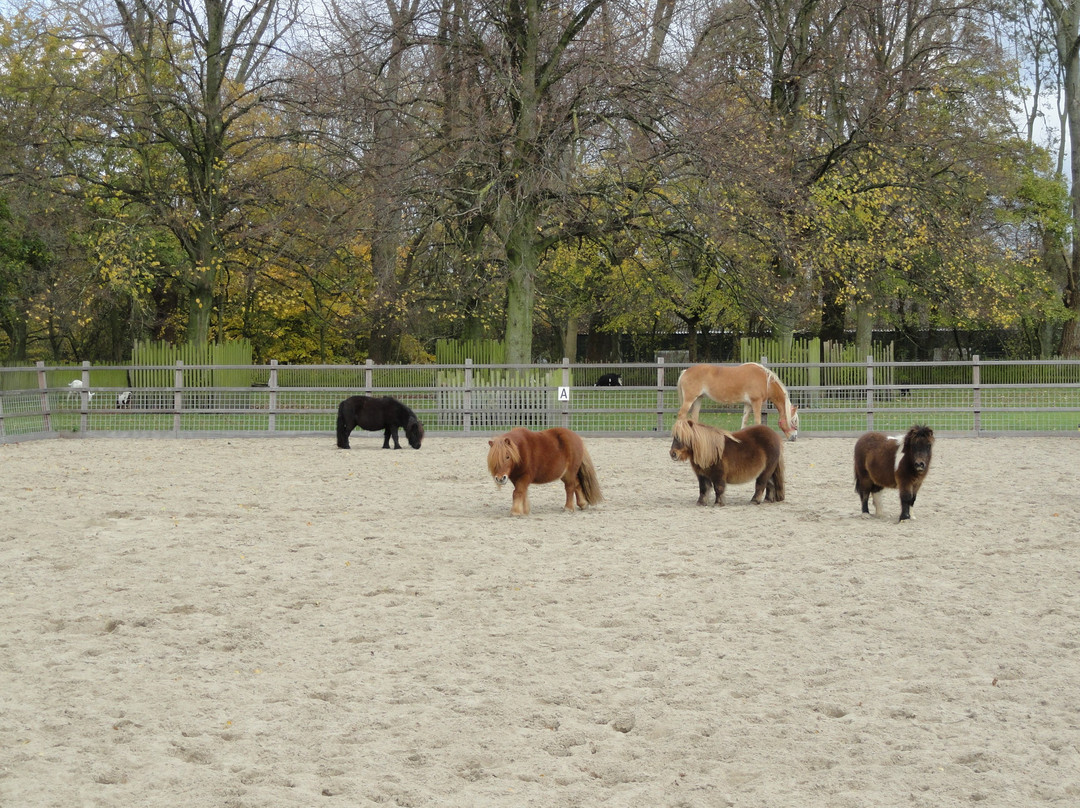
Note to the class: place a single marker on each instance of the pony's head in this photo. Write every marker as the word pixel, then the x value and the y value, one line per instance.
pixel 414 431
pixel 699 443
pixel 918 444
pixel 502 457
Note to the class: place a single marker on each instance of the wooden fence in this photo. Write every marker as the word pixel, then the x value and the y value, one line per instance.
pixel 835 398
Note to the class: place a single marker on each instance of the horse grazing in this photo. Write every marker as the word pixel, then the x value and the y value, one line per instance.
pixel 749 384
pixel 719 458
pixel 372 414
pixel 523 457
pixel 880 463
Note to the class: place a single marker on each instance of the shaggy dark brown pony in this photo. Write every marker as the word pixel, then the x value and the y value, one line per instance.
pixel 522 457
pixel 719 458
pixel 887 461
pixel 749 384
pixel 372 414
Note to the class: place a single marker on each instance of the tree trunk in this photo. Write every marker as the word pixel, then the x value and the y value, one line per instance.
pixel 522 261
pixel 200 307
pixel 570 337
pixel 1066 14
pixel 864 331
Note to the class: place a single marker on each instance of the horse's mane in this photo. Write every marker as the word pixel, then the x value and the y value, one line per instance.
pixel 706 443
pixel 774 379
pixel 499 446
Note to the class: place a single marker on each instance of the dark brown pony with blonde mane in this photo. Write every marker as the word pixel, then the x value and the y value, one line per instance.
pixel 719 458
pixel 892 461
pixel 749 384
pixel 523 457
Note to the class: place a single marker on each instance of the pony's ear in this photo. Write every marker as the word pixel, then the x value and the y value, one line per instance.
pixel 491 443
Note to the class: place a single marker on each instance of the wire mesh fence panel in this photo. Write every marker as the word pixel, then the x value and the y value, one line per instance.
pixel 640 398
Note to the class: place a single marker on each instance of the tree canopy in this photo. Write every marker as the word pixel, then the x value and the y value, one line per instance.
pixel 365 180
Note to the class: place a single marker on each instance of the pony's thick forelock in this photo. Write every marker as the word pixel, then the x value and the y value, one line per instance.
pixel 705 443
pixel 502 447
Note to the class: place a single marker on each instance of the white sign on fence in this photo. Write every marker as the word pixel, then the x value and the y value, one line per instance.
pixel 564 394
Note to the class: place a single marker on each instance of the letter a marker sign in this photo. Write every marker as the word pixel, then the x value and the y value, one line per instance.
pixel 564 394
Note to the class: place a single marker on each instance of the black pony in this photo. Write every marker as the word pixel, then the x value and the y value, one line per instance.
pixel 373 414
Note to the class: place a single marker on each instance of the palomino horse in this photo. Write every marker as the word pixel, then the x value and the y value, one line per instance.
pixel 522 457
pixel 719 457
pixel 879 463
pixel 750 384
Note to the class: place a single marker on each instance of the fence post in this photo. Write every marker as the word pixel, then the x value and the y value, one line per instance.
pixel 764 362
pixel 273 386
pixel 976 399
pixel 466 396
pixel 84 397
pixel 660 394
pixel 566 383
pixel 368 365
pixel 43 386
pixel 870 393
pixel 178 396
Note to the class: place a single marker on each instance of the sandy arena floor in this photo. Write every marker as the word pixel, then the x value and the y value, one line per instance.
pixel 280 623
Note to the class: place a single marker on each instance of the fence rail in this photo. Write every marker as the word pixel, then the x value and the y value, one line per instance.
pixel 967 397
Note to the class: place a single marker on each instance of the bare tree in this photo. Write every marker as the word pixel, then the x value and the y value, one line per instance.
pixel 1065 15
pixel 190 79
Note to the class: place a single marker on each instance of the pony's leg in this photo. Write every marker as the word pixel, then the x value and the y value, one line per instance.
pixel 704 484
pixel 877 503
pixel 761 486
pixel 719 486
pixel 907 499
pixel 520 505
pixel 579 494
pixel 571 489
pixel 390 431
pixel 695 407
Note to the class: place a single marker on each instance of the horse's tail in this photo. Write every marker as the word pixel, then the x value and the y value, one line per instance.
pixel 343 429
pixel 778 479
pixel 590 485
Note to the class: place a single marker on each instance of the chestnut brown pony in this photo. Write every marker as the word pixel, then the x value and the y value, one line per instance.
pixel 523 457
pixel 887 461
pixel 719 458
pixel 749 384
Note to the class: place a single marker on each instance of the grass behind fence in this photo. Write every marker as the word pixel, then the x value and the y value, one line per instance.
pixel 306 400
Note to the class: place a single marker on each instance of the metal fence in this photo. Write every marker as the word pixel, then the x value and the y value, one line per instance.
pixel 961 397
